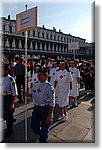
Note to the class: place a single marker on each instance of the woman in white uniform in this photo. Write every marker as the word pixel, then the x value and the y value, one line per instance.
pixel 63 81
pixel 35 74
pixel 53 72
pixel 76 81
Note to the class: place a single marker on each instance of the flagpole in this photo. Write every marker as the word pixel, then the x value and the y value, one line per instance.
pixel 26 34
pixel 23 26
pixel 74 54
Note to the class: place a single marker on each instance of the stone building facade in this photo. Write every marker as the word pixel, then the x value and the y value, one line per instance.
pixel 42 41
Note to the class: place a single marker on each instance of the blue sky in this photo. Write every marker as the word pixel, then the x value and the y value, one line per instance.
pixel 74 17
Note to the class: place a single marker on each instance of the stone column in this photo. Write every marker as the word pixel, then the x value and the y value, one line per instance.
pixel 48 36
pixel 13 29
pixel 31 45
pixel 36 33
pixel 49 48
pixel 60 48
pixel 45 48
pixel 40 46
pixel 57 57
pixel 66 49
pixel 7 28
pixel 13 43
pixel 44 34
pixel 7 43
pixel 20 45
pixel 36 45
pixel 31 32
pixel 56 48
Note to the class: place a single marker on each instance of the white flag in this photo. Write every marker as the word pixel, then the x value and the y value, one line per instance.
pixel 26 20
pixel 73 45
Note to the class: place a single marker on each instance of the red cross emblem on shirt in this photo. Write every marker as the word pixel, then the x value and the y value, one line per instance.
pixel 38 90
pixel 61 77
pixel 34 79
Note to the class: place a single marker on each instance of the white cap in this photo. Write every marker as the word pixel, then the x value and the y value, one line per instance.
pixel 62 62
pixel 55 62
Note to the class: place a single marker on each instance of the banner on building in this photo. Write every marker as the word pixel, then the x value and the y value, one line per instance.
pixel 73 45
pixel 26 20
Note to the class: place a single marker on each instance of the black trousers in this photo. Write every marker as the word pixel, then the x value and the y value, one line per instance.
pixel 20 81
pixel 89 83
pixel 7 112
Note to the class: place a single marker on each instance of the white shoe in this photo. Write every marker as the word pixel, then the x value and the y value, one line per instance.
pixel 76 104
pixel 69 106
pixel 65 117
pixel 61 117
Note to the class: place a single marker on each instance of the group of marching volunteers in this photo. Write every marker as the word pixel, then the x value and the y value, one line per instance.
pixel 52 81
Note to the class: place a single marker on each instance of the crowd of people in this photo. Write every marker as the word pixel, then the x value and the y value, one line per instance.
pixel 51 80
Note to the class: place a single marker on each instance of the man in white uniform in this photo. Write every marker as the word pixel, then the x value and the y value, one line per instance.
pixel 9 94
pixel 44 102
